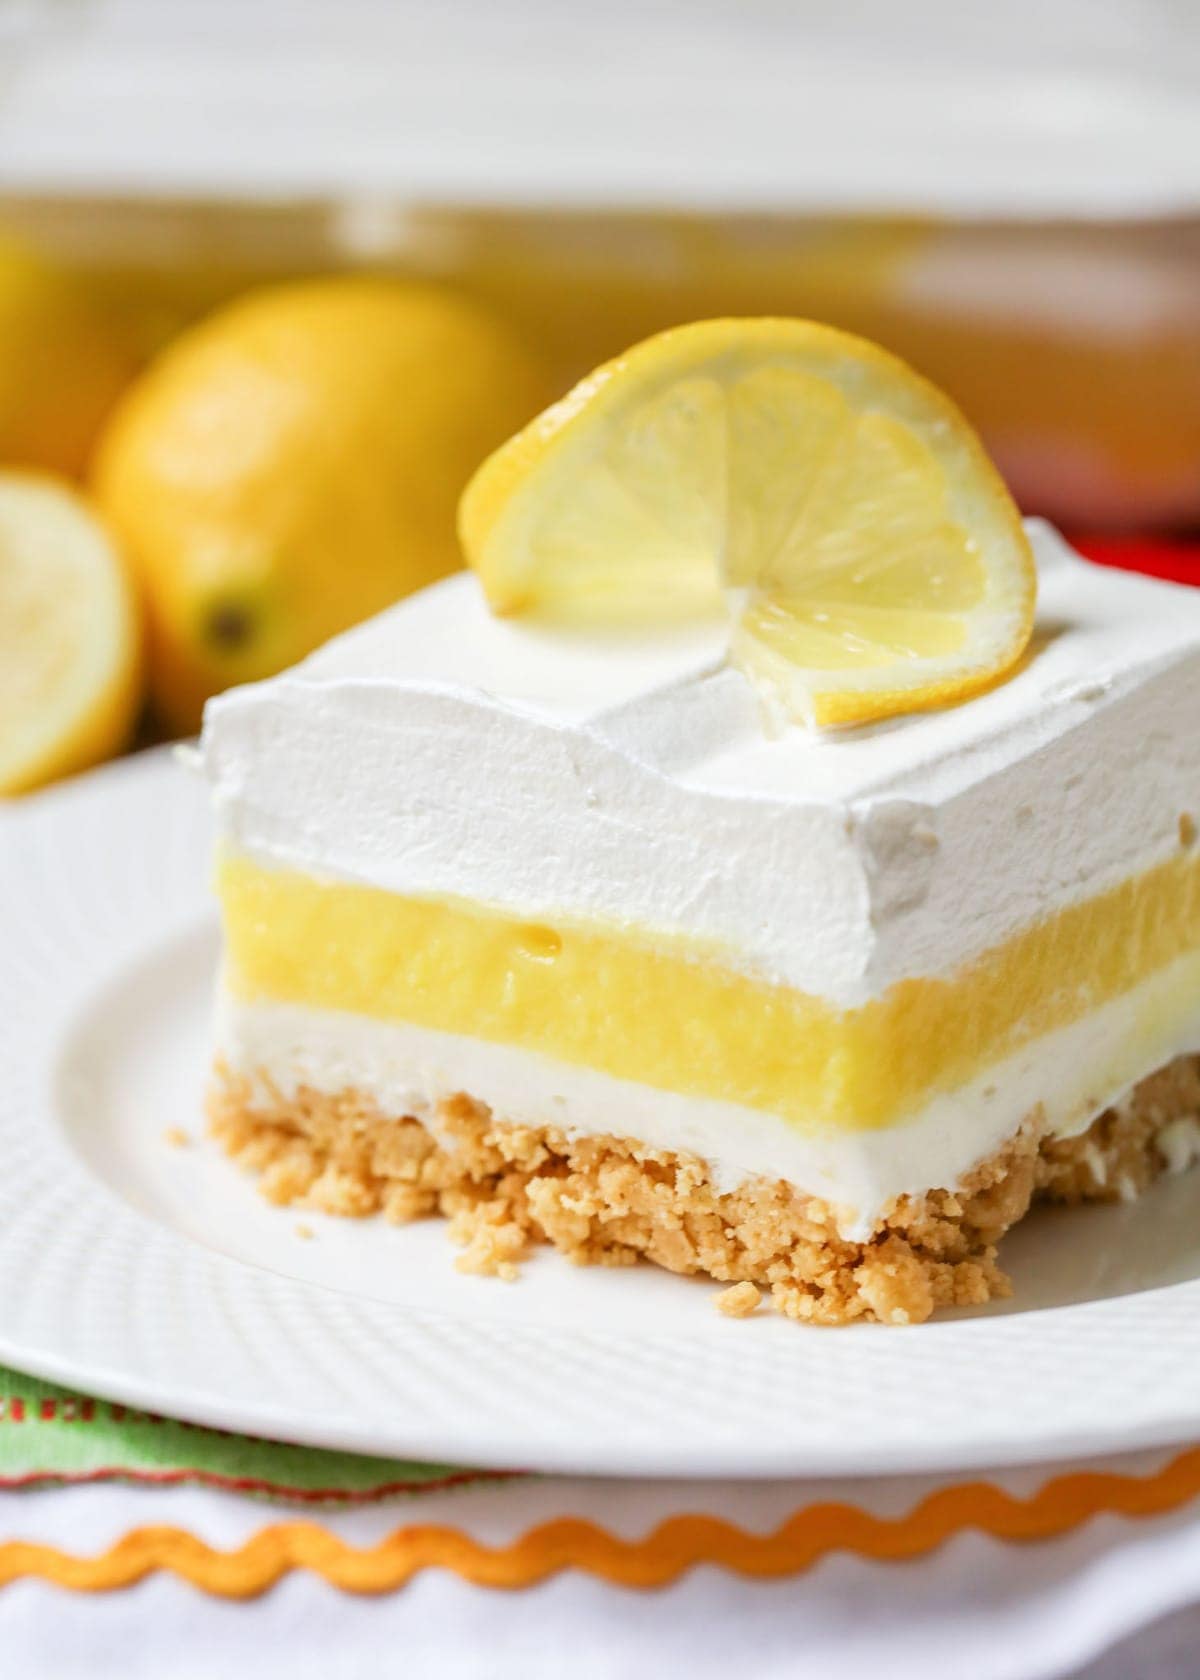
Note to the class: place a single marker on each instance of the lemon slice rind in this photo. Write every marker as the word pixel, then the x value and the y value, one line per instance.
pixel 810 473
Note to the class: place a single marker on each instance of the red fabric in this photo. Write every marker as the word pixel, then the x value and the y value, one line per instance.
pixel 1177 560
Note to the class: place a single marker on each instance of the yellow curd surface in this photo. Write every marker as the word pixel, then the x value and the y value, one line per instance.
pixel 670 1014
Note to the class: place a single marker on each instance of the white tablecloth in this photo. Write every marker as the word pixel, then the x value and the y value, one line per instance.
pixel 978 1607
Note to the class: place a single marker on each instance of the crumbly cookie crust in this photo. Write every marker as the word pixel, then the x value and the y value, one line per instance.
pixel 504 1186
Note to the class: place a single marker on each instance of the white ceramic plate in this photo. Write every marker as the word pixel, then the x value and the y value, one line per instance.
pixel 154 1274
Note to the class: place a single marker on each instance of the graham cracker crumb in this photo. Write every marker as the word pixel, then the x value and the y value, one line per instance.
pixel 894 1284
pixel 490 1250
pixel 306 1232
pixel 610 1201
pixel 740 1301
pixel 1187 829
pixel 176 1137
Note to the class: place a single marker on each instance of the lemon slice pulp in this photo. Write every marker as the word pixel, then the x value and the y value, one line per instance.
pixel 69 636
pixel 873 558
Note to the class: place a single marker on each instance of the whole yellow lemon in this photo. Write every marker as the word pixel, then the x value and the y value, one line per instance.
pixel 292 465
pixel 64 360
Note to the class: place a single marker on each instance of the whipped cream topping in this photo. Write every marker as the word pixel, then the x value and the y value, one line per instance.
pixel 632 777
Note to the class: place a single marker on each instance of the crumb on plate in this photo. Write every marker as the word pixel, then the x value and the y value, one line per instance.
pixel 740 1301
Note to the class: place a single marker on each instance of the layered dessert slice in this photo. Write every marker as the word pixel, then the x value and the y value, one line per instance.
pixel 541 929
pixel 562 926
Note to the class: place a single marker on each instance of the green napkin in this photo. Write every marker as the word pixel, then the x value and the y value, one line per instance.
pixel 49 1435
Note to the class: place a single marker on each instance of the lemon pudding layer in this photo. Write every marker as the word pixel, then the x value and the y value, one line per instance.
pixel 577 880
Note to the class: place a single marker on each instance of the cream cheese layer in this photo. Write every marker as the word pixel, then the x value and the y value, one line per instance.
pixel 628 778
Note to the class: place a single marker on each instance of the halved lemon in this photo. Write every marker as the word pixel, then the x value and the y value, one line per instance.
pixel 839 503
pixel 69 636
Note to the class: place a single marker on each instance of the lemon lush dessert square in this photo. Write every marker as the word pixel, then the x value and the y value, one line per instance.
pixel 567 931
pixel 543 929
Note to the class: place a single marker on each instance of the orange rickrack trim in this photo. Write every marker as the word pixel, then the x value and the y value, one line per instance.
pixel 660 1557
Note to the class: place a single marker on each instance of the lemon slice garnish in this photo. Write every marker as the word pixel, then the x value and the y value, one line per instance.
pixel 69 636
pixel 873 558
